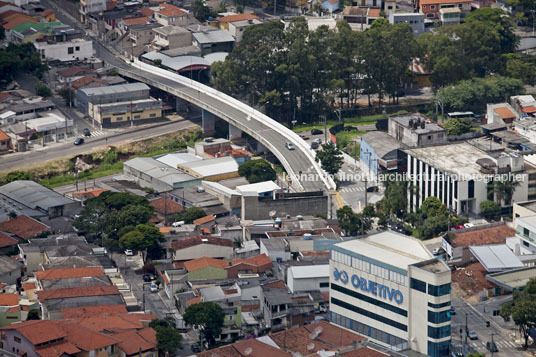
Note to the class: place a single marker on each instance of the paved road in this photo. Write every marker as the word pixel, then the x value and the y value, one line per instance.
pixel 55 151
pixel 476 321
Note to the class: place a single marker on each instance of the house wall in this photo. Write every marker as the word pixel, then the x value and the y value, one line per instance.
pixel 432 11
pixel 24 345
pixel 254 208
pixel 208 273
pixel 60 51
pixel 306 284
pixel 204 250
pixel 5 145
pixel 7 318
pixel 180 40
pixel 11 277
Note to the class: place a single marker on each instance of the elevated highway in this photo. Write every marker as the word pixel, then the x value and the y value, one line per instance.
pixel 299 162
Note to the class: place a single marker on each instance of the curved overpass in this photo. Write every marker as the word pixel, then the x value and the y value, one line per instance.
pixel 267 131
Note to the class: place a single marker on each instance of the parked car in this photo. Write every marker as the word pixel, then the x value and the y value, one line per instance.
pixel 317 132
pixel 128 252
pixel 289 145
pixel 87 132
pixel 468 225
pixel 350 128
pixel 154 288
pixel 491 346
pixel 79 141
pixel 147 278
pixel 452 310
pixel 314 145
pixel 459 226
pixel 195 348
pixel 318 140
pixel 472 335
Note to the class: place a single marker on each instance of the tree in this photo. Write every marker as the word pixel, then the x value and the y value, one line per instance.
pixel 457 126
pixel 504 189
pixel 521 67
pixel 2 33
pixel 432 206
pixel 167 337
pixel 523 309
pixel 330 158
pixel 143 237
pixel 257 171
pixel 209 317
pixel 68 95
pixel 33 314
pixel 17 176
pixel 490 209
pixel 190 214
pixel 201 11
pixel 42 90
pixel 395 199
pixel 352 223
pixel 499 22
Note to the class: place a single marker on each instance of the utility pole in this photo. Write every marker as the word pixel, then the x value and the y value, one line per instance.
pixel 325 128
pixel 492 343
pixel 466 333
pixel 355 156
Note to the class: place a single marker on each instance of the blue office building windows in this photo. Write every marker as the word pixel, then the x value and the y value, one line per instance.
pixel 438 349
pixel 438 332
pixel 439 290
pixel 417 285
pixel 438 306
pixel 438 317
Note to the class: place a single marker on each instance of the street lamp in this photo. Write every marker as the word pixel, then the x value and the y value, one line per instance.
pixel 532 12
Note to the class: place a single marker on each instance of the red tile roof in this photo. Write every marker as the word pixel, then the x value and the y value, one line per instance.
pixel 9 299
pixel 251 348
pixel 204 220
pixel 166 206
pixel 195 300
pixel 495 235
pixel 74 71
pixel 197 240
pixel 90 193
pixel 437 2
pixel 38 331
pixel 57 349
pixel 145 11
pixel 47 12
pixel 165 230
pixel 8 13
pixel 6 240
pixel 298 340
pixel 204 262
pixel 132 342
pixel 169 10
pixel 117 322
pixel 3 136
pixel 278 284
pixel 85 338
pixel 374 13
pixel 136 21
pixel 77 292
pixel 258 260
pixel 93 311
pixel 529 109
pixel 23 226
pixel 69 273
pixel 504 113
pixel 28 286
pixel 19 20
pixel 237 17
pixel 85 80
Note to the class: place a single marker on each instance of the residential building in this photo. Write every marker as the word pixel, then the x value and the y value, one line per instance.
pixel 330 5
pixel 206 269
pixel 237 28
pixel 380 153
pixel 275 249
pixel 141 343
pixel 8 244
pixel 502 113
pixel 308 278
pixel 450 16
pixel 68 75
pixel 53 301
pixel 171 15
pixel 74 50
pixel 10 311
pixel 276 303
pixel 90 6
pixel 23 227
pixel 415 130
pixel 415 20
pixel 10 270
pixel 37 197
pixel 126 113
pixel 525 105
pixel 171 37
pixel 27 108
pixel 282 204
pixel 431 8
pixel 166 208
pixel 148 172
pixel 71 278
pixel 224 21
pixel 459 175
pixel 389 287
pixel 5 142
pixel 253 265
pixel 88 82
pixel 202 246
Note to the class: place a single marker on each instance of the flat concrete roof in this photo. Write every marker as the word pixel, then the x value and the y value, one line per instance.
pixel 459 159
pixel 308 271
pixel 391 248
pixel 529 220
pixel 528 205
pixel 513 279
pixel 120 88
pixel 259 187
pixel 218 166
pixel 381 142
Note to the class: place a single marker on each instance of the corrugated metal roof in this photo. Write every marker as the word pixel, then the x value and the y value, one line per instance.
pixel 176 63
pixel 33 195
pixel 496 257
pixel 120 88
pixel 213 36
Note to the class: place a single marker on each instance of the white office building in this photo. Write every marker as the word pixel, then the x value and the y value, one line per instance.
pixel 389 287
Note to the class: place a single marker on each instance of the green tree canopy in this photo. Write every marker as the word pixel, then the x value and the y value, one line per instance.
pixel 457 126
pixel 168 339
pixel 257 171
pixel 190 214
pixel 523 309
pixel 16 176
pixel 33 314
pixel 209 317
pixel 141 238
pixel 42 90
pixel 353 223
pixel 490 209
pixel 330 158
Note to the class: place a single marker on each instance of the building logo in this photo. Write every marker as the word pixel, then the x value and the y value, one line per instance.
pixel 369 286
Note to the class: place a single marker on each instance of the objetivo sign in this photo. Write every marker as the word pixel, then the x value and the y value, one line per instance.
pixel 369 286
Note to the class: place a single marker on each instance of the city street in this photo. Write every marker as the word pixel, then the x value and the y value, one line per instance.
pixel 476 321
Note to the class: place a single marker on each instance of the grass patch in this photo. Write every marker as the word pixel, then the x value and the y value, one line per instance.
pixel 103 170
pixel 345 139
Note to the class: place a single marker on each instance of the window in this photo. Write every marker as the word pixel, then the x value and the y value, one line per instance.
pixel 439 306
pixel 417 285
pixel 104 119
pixel 438 317
pixel 471 189
pixel 438 349
pixel 439 290
pixel 119 118
pixel 16 339
pixel 77 48
pixel 369 314
pixel 369 299
pixel 526 232
pixel 152 115
pixel 430 16
pixel 432 7
pixel 460 5
pixel 526 244
pixel 429 137
pixel 424 6
pixel 136 116
pixel 70 50
pixel 438 332
pixel 324 285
